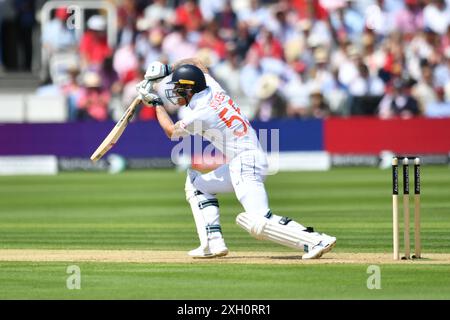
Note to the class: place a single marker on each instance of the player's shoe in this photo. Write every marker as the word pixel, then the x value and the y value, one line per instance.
pixel 323 247
pixel 331 242
pixel 216 248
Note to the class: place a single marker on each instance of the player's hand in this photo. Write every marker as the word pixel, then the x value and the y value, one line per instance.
pixel 144 89
pixel 157 70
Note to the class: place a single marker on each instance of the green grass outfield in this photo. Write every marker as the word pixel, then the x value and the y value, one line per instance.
pixel 146 210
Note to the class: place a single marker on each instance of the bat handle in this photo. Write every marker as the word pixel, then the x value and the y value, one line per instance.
pixel 136 101
pixel 154 103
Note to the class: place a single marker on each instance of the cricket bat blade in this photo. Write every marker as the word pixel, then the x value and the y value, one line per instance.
pixel 116 132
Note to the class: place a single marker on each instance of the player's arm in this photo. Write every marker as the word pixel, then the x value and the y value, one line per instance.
pixel 193 61
pixel 144 89
pixel 172 130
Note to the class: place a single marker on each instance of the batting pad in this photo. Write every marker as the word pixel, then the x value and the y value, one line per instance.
pixel 263 228
pixel 205 209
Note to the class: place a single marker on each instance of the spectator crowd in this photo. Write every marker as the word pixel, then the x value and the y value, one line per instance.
pixel 289 58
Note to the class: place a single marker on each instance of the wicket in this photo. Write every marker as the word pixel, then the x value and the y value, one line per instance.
pixel 406 214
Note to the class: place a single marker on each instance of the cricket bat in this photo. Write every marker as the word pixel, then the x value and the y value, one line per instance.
pixel 116 132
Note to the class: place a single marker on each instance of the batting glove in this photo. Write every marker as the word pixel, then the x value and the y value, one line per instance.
pixel 144 89
pixel 157 70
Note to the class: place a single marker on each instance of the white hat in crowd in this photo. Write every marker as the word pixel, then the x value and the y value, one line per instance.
pixel 97 23
pixel 267 85
pixel 92 79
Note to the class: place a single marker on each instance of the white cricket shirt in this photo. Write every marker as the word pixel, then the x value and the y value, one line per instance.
pixel 213 114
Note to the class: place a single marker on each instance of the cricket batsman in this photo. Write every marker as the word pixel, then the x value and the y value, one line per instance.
pixel 213 114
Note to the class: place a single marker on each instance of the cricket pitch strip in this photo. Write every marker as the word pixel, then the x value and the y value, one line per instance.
pixel 237 257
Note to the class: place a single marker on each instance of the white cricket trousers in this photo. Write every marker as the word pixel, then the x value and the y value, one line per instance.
pixel 245 175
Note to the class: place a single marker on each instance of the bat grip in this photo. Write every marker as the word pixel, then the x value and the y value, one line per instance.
pixel 136 101
pixel 157 102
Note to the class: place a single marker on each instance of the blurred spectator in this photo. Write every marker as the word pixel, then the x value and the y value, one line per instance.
pixel 340 54
pixel 125 62
pixel 365 84
pixel 110 78
pixel 25 20
pixel 291 51
pixel 94 101
pixel 365 92
pixel 436 16
pixel 127 15
pixel 228 74
pixel 250 72
pixel 189 15
pixel 395 59
pixel 336 95
pixel 299 45
pixel 378 19
pixel 318 33
pixel 254 16
pixel 158 12
pixel 315 9
pixel 319 108
pixel 58 40
pixel 141 5
pixel 149 46
pixel 409 20
pixel 439 108
pixel 94 48
pixel 226 21
pixel 445 41
pixel 72 91
pixel 374 58
pixel 176 44
pixel 398 102
pixel 423 91
pixel 283 25
pixel 243 41
pixel 441 74
pixel 394 6
pixel 348 20
pixel 348 69
pixel 321 74
pixel 56 36
pixel 298 100
pixel 209 38
pixel 267 46
pixel 210 9
pixel 421 47
pixel 297 94
pixel 271 103
pixel 208 57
